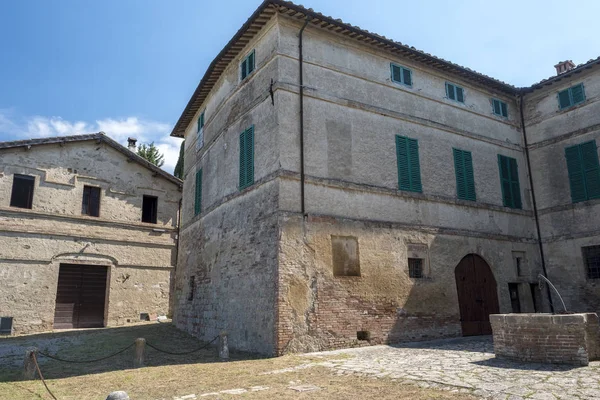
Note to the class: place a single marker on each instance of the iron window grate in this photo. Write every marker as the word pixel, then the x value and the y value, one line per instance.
pixel 415 268
pixel 6 325
pixel 591 255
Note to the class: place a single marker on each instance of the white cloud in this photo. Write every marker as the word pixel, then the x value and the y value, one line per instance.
pixel 119 129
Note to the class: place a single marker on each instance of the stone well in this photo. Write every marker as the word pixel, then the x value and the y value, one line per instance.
pixel 547 338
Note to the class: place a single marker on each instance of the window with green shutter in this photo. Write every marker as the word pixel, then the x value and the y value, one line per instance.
pixel 509 181
pixel 401 74
pixel 247 65
pixel 200 133
pixel 571 96
pixel 409 170
pixel 198 197
pixel 246 158
pixel 465 180
pixel 454 92
pixel 499 108
pixel 584 172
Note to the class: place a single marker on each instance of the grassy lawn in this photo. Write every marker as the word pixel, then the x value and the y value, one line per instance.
pixel 166 376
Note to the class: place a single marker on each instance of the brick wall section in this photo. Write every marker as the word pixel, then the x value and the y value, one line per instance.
pixel 545 338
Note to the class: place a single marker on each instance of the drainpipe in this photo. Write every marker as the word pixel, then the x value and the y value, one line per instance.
pixel 535 210
pixel 300 62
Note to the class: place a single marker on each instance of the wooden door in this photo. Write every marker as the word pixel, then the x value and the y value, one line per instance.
pixel 477 295
pixel 80 296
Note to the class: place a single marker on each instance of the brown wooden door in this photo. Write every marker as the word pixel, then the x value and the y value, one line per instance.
pixel 80 296
pixel 477 295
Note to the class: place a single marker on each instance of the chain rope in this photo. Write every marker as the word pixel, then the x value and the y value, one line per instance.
pixel 37 367
pixel 85 361
pixel 182 353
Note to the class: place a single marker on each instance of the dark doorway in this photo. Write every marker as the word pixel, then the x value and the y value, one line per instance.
pixel 80 296
pixel 477 295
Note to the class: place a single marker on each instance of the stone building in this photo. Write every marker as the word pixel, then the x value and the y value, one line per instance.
pixel 88 234
pixel 343 189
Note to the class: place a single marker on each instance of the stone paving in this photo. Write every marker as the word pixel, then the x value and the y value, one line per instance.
pixel 467 365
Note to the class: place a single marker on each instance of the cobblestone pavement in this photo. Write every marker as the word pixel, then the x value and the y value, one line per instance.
pixel 468 365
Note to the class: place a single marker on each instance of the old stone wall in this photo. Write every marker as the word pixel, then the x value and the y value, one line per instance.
pixel 35 242
pixel 545 338
pixel 566 227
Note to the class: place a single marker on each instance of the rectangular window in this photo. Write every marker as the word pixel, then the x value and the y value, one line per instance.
pixel 22 191
pixel 509 181
pixel 246 158
pixel 91 201
pixel 513 290
pixel 247 65
pixel 149 209
pixel 571 96
pixel 409 170
pixel 591 257
pixel 200 133
pixel 192 288
pixel 198 197
pixel 401 75
pixel 415 268
pixel 344 254
pixel 455 93
pixel 584 171
pixel 465 180
pixel 500 108
pixel 520 263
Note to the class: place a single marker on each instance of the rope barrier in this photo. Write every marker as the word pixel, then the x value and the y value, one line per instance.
pixel 37 367
pixel 86 361
pixel 183 353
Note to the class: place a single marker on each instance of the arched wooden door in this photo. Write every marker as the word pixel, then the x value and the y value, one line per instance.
pixel 477 295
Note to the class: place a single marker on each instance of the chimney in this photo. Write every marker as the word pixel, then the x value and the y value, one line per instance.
pixel 564 66
pixel 131 143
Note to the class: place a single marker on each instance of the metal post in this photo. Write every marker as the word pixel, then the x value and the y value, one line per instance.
pixel 223 346
pixel 29 365
pixel 140 349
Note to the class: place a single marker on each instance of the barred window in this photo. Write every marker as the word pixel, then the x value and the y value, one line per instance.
pixel 415 268
pixel 591 257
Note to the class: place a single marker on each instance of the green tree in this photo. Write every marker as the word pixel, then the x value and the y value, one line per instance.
pixel 150 153
pixel 179 166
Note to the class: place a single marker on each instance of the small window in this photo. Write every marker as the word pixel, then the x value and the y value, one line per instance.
pixel 409 169
pixel 363 335
pixel 401 75
pixel 415 268
pixel 344 250
pixel 198 199
pixel 584 171
pixel 192 288
pixel 91 201
pixel 513 290
pixel 246 177
pixel 247 65
pixel 571 96
pixel 6 325
pixel 149 209
pixel 200 133
pixel 22 191
pixel 455 93
pixel 519 263
pixel 500 108
pixel 509 181
pixel 591 257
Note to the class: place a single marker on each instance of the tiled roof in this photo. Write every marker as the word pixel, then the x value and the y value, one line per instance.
pixel 100 137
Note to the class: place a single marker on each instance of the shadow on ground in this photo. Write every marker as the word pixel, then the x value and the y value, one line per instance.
pixel 507 364
pixel 97 343
pixel 474 344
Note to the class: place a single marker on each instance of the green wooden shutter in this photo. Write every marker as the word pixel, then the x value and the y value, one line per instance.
pixel 460 96
pixel 198 197
pixel 576 174
pixel 450 91
pixel 407 76
pixel 251 63
pixel 465 179
pixel 504 109
pixel 396 73
pixel 242 178
pixel 496 106
pixel 509 181
pixel 589 158
pixel 577 94
pixel 409 170
pixel 244 68
pixel 250 156
pixel 564 99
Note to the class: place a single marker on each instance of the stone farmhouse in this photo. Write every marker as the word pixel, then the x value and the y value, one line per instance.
pixel 88 234
pixel 344 189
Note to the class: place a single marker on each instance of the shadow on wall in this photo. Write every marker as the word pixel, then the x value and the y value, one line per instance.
pixel 97 343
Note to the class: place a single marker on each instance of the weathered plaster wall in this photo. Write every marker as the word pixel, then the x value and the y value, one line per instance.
pixel 566 226
pixel 33 243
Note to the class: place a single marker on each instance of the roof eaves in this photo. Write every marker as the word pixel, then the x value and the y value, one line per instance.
pixel 557 78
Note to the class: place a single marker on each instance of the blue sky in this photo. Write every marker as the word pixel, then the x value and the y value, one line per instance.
pixel 128 67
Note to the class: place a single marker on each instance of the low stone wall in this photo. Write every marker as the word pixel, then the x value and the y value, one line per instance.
pixel 546 338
